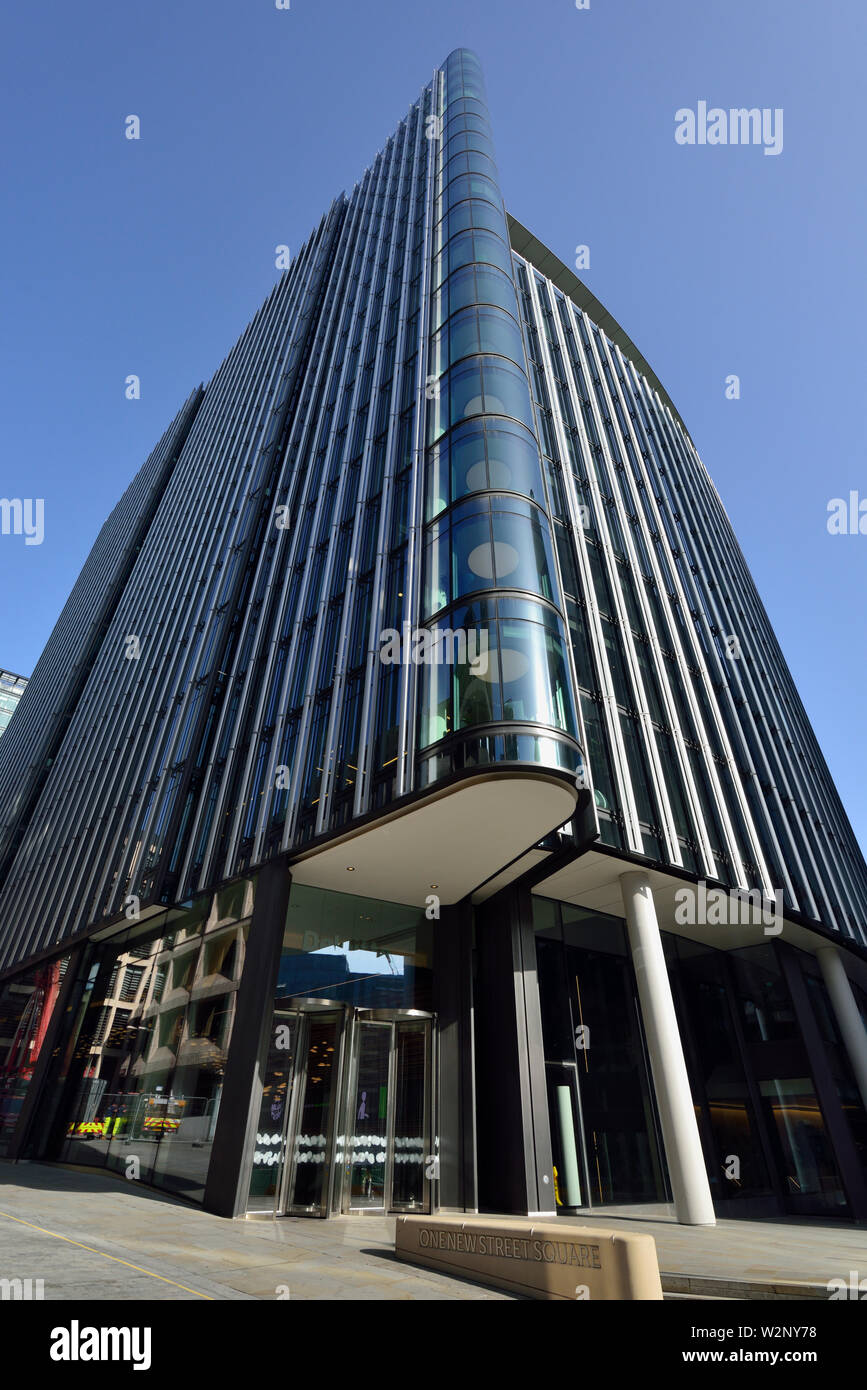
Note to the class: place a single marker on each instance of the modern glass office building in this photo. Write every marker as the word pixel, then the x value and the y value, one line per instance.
pixel 12 687
pixel 412 807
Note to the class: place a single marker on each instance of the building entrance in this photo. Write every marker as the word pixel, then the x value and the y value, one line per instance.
pixel 346 1116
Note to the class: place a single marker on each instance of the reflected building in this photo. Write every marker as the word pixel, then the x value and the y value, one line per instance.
pixel 412 807
pixel 12 687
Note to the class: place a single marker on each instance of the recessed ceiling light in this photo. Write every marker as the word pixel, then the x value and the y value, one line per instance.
pixel 350 868
pixel 434 885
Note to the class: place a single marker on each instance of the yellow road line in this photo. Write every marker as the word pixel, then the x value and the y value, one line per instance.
pixel 149 1272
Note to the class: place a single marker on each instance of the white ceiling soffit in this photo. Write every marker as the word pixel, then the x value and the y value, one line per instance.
pixel 593 881
pixel 449 844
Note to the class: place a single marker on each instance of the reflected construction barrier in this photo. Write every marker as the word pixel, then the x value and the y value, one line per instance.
pixel 539 1259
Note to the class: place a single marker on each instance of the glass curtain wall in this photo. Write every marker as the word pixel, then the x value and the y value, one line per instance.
pixel 347 1076
pixel 603 1121
pixel 26 1005
pixel 154 1041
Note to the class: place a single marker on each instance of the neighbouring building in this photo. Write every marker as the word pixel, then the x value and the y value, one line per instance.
pixel 12 687
pixel 412 807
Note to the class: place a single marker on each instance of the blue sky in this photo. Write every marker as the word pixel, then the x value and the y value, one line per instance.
pixel 150 256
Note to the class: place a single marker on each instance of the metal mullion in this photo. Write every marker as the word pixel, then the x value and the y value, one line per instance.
pixel 609 699
pixel 310 487
pixel 337 705
pixel 407 702
pixel 729 586
pixel 371 256
pixel 619 489
pixel 371 686
pixel 729 830
pixel 281 564
pixel 83 719
pixel 184 620
pixel 379 181
pixel 569 650
pixel 122 721
pixel 742 587
pixel 711 605
pixel 651 751
pixel 251 427
pixel 77 618
pixel 678 646
pixel 309 282
pixel 357 251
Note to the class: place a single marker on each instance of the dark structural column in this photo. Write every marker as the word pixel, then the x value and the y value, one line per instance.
pixel 514 1137
pixel 453 1003
pixel 242 1086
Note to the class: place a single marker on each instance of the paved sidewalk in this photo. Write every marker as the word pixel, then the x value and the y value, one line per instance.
pixel 94 1236
pixel 745 1259
pixel 90 1236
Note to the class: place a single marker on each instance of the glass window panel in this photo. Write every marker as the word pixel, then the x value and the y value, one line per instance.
pixel 411 1132
pixel 369 1139
pixel 500 333
pixel 465 392
pixel 460 250
pixel 477 687
pixel 437 587
pixel 463 335
pixel 523 552
pixel 494 287
pixel 513 463
pixel 489 217
pixel 506 392
pixel 469 473
pixel 491 247
pixel 472 555
pixel 480 163
pixel 269 1153
pixel 456 166
pixel 524 672
pixel 462 289
pixel 435 720
pixel 438 495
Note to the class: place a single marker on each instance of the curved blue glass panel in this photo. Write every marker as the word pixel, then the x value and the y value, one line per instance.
pixel 471 186
pixel 473 331
pixel 496 670
pixel 480 386
pixel 487 543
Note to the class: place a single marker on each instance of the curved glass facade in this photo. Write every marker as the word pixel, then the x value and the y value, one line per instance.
pixel 487 528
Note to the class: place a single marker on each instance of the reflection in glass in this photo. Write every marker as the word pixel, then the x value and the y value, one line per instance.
pixel 153 1047
pixel 486 543
pixel 804 1152
pixel 368 1139
pixel 313 1123
pixel 26 1005
pixel 269 1154
pixel 585 981
pixel 520 674
pixel 410 1119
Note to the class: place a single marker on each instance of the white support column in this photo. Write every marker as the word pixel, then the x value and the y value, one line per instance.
pixel 692 1200
pixel 846 1012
